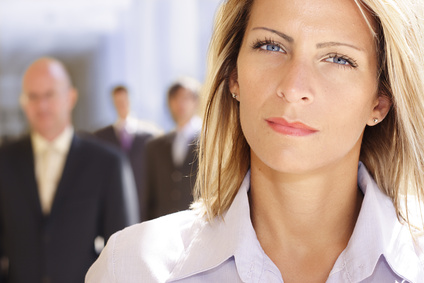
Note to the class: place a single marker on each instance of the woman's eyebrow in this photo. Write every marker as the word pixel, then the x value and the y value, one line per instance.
pixel 319 45
pixel 279 33
pixel 332 43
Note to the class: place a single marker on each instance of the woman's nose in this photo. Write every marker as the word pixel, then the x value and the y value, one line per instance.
pixel 296 82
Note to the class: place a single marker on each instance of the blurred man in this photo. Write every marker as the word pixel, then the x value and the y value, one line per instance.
pixel 171 163
pixel 130 135
pixel 58 191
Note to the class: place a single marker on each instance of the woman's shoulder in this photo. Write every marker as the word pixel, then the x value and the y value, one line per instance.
pixel 174 228
pixel 148 250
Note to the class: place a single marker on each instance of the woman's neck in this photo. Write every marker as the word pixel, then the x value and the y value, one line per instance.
pixel 304 219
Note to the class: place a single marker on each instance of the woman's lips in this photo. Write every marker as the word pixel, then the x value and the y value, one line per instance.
pixel 298 129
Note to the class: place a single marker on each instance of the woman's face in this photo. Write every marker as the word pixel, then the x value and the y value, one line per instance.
pixel 307 83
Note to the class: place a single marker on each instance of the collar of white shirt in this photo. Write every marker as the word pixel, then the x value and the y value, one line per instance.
pixel 129 124
pixel 61 143
pixel 191 129
pixel 377 234
pixel 133 126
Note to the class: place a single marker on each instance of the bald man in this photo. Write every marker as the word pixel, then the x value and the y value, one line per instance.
pixel 58 191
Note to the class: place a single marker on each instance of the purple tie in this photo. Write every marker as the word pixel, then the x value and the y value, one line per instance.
pixel 125 139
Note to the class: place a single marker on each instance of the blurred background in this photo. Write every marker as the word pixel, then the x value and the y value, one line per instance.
pixel 144 44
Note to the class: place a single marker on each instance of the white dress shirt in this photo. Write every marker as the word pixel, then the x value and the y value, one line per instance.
pixel 183 138
pixel 50 157
pixel 183 247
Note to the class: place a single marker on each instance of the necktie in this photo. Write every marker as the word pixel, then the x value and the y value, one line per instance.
pixel 49 178
pixel 125 139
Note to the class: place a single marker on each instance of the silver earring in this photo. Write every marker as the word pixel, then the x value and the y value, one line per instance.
pixel 375 120
pixel 233 95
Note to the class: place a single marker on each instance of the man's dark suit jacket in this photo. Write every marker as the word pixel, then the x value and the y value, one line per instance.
pixel 95 197
pixel 170 186
pixel 136 155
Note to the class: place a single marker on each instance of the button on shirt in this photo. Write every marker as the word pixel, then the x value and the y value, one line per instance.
pixel 183 247
pixel 49 157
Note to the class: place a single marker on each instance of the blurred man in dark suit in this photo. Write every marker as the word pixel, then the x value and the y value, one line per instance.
pixel 171 162
pixel 130 135
pixel 58 191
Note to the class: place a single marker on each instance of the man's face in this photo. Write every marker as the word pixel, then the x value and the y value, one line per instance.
pixel 122 103
pixel 183 105
pixel 47 101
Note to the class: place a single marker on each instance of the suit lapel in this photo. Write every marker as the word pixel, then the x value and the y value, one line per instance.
pixel 113 136
pixel 169 145
pixel 29 182
pixel 189 158
pixel 191 152
pixel 137 140
pixel 69 168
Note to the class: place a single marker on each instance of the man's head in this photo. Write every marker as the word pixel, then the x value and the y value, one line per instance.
pixel 121 101
pixel 48 97
pixel 183 99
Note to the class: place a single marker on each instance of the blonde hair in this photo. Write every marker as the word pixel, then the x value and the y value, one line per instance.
pixel 393 151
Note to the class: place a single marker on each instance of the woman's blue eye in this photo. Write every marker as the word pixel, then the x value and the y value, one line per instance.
pixel 338 60
pixel 271 47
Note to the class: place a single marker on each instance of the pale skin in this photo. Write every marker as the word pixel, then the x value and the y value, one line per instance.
pixel 183 106
pixel 314 63
pixel 47 97
pixel 122 104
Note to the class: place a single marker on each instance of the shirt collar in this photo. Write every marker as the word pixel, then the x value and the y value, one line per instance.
pixel 129 124
pixel 192 128
pixel 61 143
pixel 232 234
pixel 378 233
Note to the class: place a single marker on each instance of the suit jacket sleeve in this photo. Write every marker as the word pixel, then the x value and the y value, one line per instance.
pixel 120 201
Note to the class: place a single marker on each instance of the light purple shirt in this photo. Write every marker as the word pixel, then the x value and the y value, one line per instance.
pixel 182 247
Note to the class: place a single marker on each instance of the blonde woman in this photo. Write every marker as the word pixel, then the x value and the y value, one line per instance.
pixel 312 140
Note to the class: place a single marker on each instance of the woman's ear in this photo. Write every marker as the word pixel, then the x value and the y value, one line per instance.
pixel 382 106
pixel 234 85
